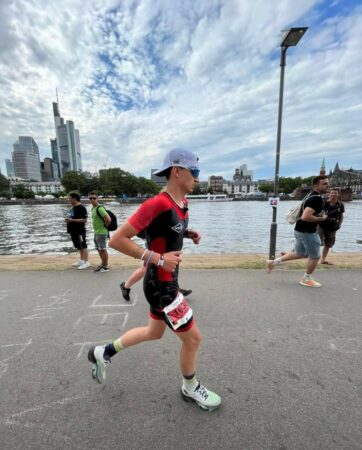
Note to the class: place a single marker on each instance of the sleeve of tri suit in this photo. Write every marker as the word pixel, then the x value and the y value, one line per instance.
pixel 148 211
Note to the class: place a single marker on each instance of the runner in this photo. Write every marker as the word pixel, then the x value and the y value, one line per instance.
pixel 165 220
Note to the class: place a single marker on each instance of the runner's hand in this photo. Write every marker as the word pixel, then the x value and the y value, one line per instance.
pixel 172 260
pixel 195 236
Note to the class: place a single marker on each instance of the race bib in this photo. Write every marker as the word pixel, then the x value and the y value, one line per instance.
pixel 178 312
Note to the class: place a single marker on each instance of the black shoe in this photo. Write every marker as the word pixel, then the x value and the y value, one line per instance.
pixel 125 292
pixel 186 292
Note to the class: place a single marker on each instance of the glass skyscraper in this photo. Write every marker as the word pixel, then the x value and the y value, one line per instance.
pixel 66 146
pixel 26 159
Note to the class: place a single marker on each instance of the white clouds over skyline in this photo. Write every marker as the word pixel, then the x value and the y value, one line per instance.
pixel 140 77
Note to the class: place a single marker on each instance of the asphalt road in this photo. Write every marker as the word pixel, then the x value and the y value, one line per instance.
pixel 285 359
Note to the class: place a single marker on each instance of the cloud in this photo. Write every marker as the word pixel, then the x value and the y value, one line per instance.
pixel 141 77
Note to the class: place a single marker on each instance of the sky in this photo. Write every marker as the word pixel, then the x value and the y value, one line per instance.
pixel 141 77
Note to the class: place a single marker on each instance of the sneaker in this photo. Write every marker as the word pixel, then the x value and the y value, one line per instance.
pixel 186 292
pixel 100 363
pixel 204 398
pixel 309 282
pixel 125 291
pixel 101 269
pixel 84 265
pixel 269 265
pixel 77 263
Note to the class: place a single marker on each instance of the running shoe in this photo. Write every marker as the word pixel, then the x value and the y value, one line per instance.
pixel 186 292
pixel 84 265
pixel 269 265
pixel 101 269
pixel 204 398
pixel 309 282
pixel 77 263
pixel 100 363
pixel 125 291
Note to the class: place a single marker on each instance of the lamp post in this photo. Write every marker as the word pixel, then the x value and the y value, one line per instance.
pixel 290 38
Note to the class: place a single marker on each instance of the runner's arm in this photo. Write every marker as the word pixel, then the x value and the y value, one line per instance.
pixel 121 240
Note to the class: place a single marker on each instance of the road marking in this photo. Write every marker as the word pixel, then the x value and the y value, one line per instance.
pixel 104 318
pixel 345 345
pixel 4 363
pixel 95 303
pixel 42 314
pixel 14 418
pixel 58 299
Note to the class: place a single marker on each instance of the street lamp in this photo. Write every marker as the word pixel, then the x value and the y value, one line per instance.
pixel 290 38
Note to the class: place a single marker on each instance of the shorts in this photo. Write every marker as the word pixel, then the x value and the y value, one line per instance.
pixel 307 244
pixel 328 237
pixel 79 240
pixel 160 294
pixel 100 241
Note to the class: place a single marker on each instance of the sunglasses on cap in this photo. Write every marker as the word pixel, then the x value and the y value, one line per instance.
pixel 92 198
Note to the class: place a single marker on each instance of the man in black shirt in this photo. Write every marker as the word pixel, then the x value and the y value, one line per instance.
pixel 76 220
pixel 307 240
pixel 327 229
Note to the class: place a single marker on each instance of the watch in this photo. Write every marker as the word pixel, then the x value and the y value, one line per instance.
pixel 161 261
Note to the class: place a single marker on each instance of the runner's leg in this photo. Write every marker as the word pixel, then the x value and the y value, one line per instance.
pixel 136 276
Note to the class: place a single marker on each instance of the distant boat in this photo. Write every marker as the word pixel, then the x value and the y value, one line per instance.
pixel 209 198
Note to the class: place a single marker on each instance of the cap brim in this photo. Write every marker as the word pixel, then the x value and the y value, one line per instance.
pixel 161 172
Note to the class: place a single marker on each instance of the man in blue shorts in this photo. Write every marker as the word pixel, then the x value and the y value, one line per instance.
pixel 164 219
pixel 307 240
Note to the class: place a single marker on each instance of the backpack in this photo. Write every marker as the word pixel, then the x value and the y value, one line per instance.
pixel 113 225
pixel 295 213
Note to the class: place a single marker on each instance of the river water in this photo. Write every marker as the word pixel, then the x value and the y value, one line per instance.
pixel 226 227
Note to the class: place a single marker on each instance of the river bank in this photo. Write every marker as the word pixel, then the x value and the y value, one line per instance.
pixel 202 261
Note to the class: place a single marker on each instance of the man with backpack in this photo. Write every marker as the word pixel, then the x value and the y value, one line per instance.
pixel 101 221
pixel 328 229
pixel 307 240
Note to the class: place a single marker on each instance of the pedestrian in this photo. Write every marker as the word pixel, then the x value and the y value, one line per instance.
pixel 307 240
pixel 328 229
pixel 100 221
pixel 165 219
pixel 76 220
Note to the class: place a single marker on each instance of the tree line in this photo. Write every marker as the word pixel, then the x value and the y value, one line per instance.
pixel 113 181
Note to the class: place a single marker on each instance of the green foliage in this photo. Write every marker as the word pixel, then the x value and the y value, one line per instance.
pixel 5 194
pixel 74 181
pixel 4 183
pixel 20 191
pixel 286 184
pixel 268 187
pixel 113 181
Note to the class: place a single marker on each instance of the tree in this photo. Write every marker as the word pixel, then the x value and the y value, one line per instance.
pixel 74 181
pixel 266 188
pixel 20 191
pixel 4 183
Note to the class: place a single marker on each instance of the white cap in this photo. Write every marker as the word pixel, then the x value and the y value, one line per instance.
pixel 180 158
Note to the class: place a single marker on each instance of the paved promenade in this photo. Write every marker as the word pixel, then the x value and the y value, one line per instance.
pixel 286 360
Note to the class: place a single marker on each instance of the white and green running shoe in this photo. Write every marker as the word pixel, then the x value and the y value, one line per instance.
pixel 204 398
pixel 100 363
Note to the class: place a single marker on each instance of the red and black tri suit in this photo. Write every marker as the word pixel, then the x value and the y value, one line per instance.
pixel 163 223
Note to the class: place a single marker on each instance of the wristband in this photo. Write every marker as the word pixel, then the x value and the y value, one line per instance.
pixel 143 254
pixel 161 261
pixel 149 258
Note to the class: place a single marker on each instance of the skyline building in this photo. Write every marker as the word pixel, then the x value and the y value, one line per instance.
pixel 66 147
pixel 9 167
pixel 26 160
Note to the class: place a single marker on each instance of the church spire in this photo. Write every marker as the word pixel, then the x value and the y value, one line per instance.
pixel 323 167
